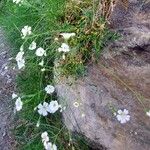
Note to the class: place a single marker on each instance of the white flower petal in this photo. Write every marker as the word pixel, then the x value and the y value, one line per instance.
pixel 118 117
pixel 20 60
pixel 32 46
pixel 50 146
pixel 60 49
pixel 14 96
pixel 66 36
pixel 19 56
pixel 126 111
pixel 44 137
pixel 42 112
pixel 40 52
pixel 49 89
pixel 45 104
pixel 42 109
pixel 18 104
pixel 53 107
pixel 54 147
pixel 17 1
pixel 64 48
pixel 40 106
pixel 127 117
pixel 21 64
pixel 119 111
pixel 122 121
pixel 26 31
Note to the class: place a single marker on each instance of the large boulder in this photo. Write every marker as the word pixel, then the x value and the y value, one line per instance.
pixel 121 79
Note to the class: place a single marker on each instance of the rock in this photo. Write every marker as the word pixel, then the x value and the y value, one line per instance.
pixel 121 79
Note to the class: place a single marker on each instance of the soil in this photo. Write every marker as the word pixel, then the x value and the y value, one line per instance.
pixel 7 76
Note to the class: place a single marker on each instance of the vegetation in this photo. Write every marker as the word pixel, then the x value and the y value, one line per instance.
pixel 48 19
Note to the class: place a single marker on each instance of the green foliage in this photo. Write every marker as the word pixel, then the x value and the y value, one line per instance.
pixel 92 35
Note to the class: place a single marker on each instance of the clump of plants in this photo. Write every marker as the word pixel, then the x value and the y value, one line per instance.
pixel 91 35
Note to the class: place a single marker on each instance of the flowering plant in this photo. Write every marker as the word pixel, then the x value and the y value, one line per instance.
pixel 53 35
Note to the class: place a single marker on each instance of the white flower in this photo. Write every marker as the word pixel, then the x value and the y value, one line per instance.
pixel 49 89
pixel 50 146
pixel 26 30
pixel 18 104
pixel 42 109
pixel 32 46
pixel 44 137
pixel 123 116
pixel 17 1
pixel 41 63
pixel 21 63
pixel 64 48
pixel 53 107
pixel 148 113
pixel 20 60
pixel 14 95
pixel 40 52
pixel 66 36
pixel 19 56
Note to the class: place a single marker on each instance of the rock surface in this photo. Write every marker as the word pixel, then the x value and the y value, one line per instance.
pixel 121 79
pixel 7 76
